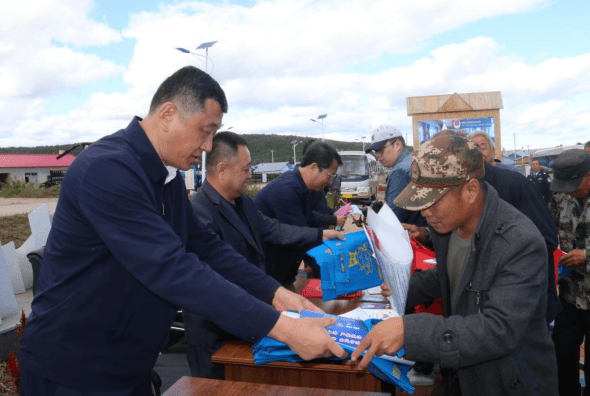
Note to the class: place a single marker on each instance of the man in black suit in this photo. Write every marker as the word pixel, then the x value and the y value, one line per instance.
pixel 222 205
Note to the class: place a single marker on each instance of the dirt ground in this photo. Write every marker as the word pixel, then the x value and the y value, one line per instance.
pixel 23 201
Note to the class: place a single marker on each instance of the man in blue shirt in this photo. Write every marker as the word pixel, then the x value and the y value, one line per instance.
pixel 389 148
pixel 288 199
pixel 126 250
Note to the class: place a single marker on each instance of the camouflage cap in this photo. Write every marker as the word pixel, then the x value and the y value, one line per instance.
pixel 445 161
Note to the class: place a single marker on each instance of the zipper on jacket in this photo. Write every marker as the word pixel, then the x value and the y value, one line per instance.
pixel 477 301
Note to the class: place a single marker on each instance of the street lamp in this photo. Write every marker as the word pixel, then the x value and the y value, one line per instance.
pixel 295 143
pixel 206 46
pixel 321 117
pixel 362 141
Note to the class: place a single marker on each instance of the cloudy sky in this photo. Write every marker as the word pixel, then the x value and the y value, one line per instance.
pixel 76 70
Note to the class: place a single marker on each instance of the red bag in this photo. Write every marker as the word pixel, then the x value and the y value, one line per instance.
pixel 421 253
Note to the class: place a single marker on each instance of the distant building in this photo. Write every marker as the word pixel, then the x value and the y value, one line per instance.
pixel 272 167
pixel 34 168
pixel 268 170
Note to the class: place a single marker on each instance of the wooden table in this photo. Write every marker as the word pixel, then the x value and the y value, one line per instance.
pixel 189 386
pixel 240 366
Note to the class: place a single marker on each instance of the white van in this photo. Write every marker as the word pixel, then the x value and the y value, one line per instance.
pixel 360 178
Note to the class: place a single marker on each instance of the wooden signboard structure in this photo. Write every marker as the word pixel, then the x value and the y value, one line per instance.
pixel 463 112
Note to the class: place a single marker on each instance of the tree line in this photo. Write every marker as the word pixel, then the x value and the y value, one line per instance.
pixel 260 147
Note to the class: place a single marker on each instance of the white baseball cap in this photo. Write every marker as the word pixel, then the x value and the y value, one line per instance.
pixel 381 135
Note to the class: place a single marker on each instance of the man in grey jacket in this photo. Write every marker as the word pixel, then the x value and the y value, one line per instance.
pixel 491 272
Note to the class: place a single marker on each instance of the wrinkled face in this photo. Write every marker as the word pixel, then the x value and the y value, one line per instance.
pixel 536 166
pixel 584 189
pixel 238 173
pixel 448 213
pixel 484 147
pixel 389 154
pixel 187 137
pixel 322 177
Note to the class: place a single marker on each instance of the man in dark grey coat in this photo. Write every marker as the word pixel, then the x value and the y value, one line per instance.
pixel 491 272
pixel 222 205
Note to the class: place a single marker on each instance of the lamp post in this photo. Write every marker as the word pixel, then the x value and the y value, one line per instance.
pixel 362 141
pixel 321 117
pixel 206 47
pixel 295 143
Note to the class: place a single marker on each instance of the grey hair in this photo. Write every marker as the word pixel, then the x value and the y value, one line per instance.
pixel 482 133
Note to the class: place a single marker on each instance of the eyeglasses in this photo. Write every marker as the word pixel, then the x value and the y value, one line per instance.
pixel 380 151
pixel 332 175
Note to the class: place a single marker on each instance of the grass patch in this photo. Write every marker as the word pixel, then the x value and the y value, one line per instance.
pixel 15 228
pixel 6 386
pixel 18 189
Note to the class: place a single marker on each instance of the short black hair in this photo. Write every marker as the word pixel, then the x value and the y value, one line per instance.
pixel 189 88
pixel 307 144
pixel 322 154
pixel 401 139
pixel 587 144
pixel 225 147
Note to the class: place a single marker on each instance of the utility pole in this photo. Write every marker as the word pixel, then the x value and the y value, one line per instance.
pixel 272 154
pixel 515 147
pixel 295 143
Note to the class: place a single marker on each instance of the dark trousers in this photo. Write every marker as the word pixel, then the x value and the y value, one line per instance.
pixel 204 338
pixel 200 364
pixel 571 325
pixel 33 385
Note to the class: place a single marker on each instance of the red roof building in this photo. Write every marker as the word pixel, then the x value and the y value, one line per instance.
pixel 35 168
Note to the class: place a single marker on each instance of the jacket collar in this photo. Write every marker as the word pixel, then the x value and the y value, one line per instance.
pixel 402 157
pixel 149 158
pixel 227 210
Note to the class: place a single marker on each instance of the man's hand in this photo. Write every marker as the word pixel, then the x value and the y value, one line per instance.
pixel 387 337
pixel 385 292
pixel 307 337
pixel 414 231
pixel 340 220
pixel 573 259
pixel 286 300
pixel 333 234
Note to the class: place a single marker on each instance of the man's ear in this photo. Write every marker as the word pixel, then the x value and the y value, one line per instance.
pixel 471 190
pixel 220 167
pixel 166 114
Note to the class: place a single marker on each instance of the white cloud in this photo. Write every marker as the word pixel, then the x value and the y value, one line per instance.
pixel 33 24
pixel 283 62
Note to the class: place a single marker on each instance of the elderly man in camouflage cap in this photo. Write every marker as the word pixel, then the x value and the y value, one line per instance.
pixel 571 182
pixel 491 272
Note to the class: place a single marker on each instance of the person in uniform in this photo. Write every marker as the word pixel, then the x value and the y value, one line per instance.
pixel 541 180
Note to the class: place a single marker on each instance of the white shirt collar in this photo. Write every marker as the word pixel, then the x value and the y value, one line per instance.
pixel 171 174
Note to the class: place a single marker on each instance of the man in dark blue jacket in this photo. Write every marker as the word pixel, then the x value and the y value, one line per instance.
pixel 288 199
pixel 222 205
pixel 126 250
